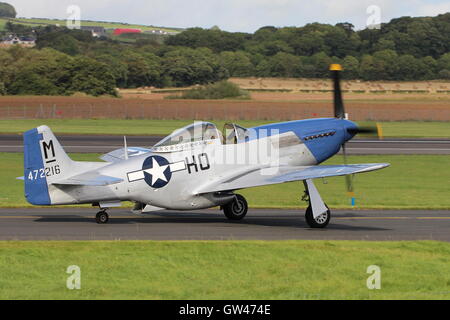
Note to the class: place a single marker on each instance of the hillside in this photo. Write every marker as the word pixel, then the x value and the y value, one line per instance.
pixel 66 61
pixel 106 25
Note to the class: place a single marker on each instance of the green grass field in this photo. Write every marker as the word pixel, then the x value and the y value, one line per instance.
pixel 2 24
pixel 419 182
pixel 162 127
pixel 225 270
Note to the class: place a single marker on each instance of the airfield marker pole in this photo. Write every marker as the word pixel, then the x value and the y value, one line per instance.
pixel 380 131
pixel 351 194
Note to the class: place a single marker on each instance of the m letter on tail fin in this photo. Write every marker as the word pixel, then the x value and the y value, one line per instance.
pixel 49 157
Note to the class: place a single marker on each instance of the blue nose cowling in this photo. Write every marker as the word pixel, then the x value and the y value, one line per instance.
pixel 350 130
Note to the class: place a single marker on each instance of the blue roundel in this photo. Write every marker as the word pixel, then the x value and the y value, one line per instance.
pixel 157 171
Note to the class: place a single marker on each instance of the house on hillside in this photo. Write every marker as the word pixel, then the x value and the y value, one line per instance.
pixel 158 32
pixel 97 32
pixel 13 39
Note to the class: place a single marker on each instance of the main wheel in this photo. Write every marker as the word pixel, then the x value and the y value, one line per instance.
pixel 319 222
pixel 236 209
pixel 102 217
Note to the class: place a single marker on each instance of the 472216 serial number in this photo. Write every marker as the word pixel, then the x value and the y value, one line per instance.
pixel 43 173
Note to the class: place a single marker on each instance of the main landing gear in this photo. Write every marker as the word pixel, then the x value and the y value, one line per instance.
pixel 236 209
pixel 102 217
pixel 317 214
pixel 320 222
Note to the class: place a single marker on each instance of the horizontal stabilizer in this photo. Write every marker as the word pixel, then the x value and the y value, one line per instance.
pixel 149 208
pixel 119 155
pixel 88 180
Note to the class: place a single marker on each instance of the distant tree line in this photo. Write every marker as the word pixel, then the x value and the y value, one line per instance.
pixel 403 49
pixel 50 72
pixel 67 61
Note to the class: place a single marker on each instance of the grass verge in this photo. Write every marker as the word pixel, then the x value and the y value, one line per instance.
pixel 411 129
pixel 225 270
pixel 412 182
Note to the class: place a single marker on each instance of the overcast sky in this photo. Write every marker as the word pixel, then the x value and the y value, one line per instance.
pixel 230 15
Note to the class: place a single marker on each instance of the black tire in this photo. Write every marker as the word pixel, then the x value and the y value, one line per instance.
pixel 236 209
pixel 320 222
pixel 102 217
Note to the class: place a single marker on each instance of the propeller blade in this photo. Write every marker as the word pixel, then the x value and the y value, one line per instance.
pixel 348 179
pixel 339 111
pixel 363 130
pixel 344 152
pixel 349 183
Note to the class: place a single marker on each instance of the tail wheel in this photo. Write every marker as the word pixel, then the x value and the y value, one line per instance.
pixel 102 217
pixel 319 222
pixel 237 209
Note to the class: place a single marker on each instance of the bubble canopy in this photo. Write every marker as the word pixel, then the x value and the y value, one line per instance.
pixel 196 132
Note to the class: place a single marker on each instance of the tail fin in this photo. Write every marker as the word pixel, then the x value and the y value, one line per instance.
pixel 45 161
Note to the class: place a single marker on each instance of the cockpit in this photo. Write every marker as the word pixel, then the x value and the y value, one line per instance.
pixel 234 134
pixel 201 134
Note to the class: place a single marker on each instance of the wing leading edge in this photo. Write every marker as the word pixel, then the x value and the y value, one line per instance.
pixel 267 176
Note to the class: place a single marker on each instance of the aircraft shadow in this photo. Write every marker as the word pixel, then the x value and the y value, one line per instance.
pixel 280 221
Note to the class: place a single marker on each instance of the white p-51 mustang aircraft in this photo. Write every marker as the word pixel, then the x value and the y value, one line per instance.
pixel 196 167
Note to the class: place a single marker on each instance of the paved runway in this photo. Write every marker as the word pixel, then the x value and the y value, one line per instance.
pixel 268 224
pixel 104 144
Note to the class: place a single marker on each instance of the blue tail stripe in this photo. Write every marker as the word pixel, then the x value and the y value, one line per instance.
pixel 36 188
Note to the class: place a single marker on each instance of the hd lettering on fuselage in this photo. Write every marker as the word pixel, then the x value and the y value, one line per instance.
pixel 201 162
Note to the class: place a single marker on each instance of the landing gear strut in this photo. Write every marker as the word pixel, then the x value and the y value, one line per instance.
pixel 317 214
pixel 102 217
pixel 236 209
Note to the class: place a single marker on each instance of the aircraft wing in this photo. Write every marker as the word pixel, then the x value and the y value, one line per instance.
pixel 267 176
pixel 119 155
pixel 88 179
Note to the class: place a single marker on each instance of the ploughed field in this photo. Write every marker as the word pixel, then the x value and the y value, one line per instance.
pixel 277 107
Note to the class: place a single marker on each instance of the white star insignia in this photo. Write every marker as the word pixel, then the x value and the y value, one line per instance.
pixel 157 172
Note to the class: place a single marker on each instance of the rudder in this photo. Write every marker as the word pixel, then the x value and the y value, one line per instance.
pixel 44 161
